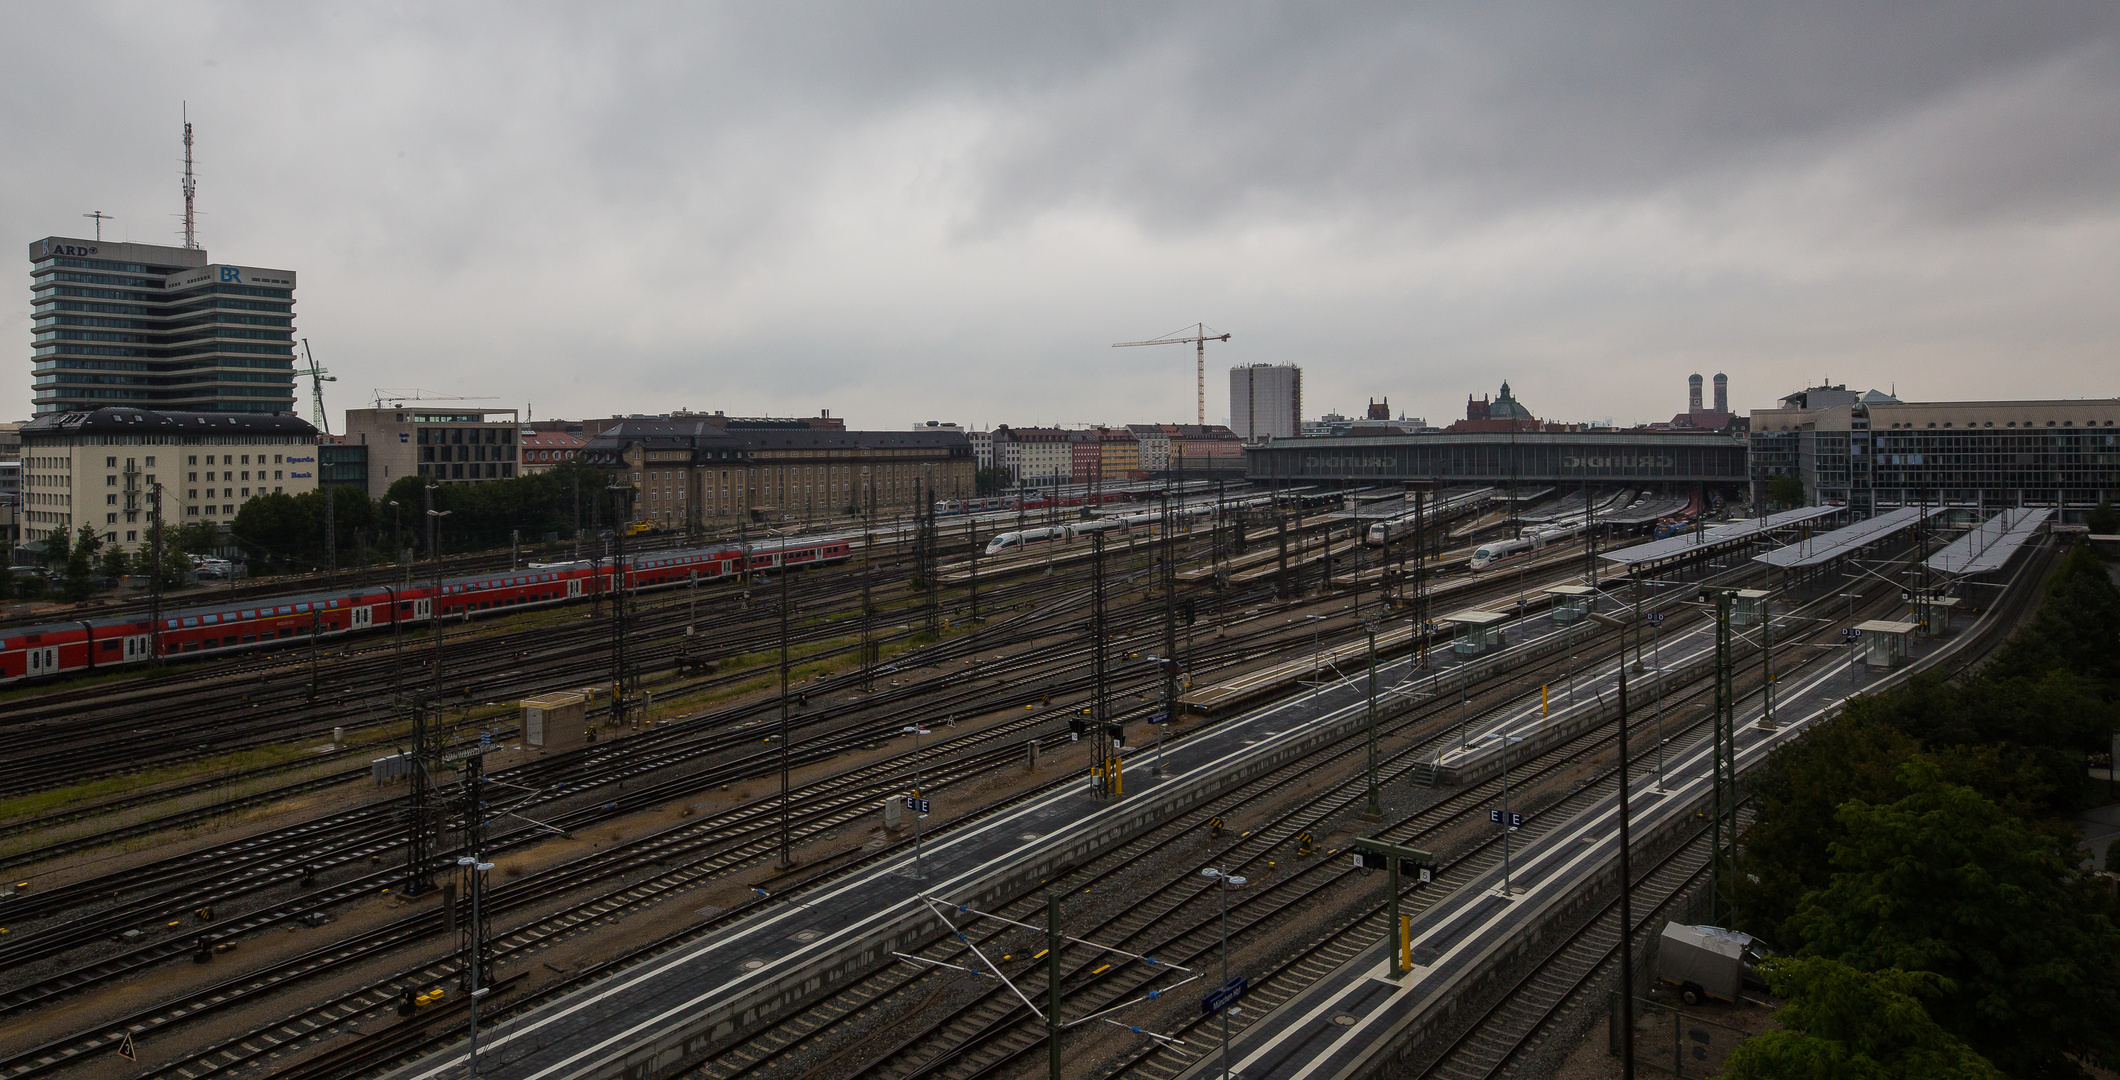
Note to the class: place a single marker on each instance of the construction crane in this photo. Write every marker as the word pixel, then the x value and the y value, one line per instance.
pixel 389 397
pixel 317 379
pixel 1198 340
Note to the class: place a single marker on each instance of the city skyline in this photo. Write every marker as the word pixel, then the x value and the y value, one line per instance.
pixel 935 216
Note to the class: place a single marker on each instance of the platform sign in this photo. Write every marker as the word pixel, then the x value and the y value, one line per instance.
pixel 1516 819
pixel 918 806
pixel 1224 997
pixel 1656 618
pixel 1159 718
pixel 1850 635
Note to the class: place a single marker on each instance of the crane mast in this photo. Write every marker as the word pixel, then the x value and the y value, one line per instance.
pixel 1198 339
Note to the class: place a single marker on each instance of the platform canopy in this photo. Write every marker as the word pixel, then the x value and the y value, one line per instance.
pixel 1991 543
pixel 1687 543
pixel 1826 547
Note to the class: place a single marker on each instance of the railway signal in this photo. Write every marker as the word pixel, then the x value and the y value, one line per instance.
pixel 1398 859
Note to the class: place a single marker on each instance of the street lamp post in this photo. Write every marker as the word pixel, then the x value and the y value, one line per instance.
pixel 1626 880
pixel 1375 812
pixel 1228 881
pixel 916 731
pixel 478 881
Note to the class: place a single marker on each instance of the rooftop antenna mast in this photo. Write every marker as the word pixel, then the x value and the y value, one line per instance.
pixel 100 217
pixel 317 379
pixel 191 187
pixel 1198 339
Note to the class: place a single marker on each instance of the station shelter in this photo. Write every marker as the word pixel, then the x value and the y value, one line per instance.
pixel 1748 607
pixel 1571 603
pixel 1478 632
pixel 1886 643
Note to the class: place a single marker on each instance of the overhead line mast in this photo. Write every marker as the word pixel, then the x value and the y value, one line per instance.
pixel 1198 340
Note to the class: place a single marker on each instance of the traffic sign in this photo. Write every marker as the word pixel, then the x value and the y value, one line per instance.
pixel 1224 997
pixel 918 806
pixel 127 1050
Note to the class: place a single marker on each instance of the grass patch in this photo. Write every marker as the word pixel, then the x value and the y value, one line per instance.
pixel 44 802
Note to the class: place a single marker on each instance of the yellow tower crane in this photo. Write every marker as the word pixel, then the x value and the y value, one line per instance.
pixel 1198 339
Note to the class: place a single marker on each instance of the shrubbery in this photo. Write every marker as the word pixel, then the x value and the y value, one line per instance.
pixel 1917 853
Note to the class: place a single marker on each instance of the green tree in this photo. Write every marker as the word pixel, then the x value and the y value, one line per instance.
pixel 993 481
pixel 1785 490
pixel 1798 793
pixel 80 579
pixel 196 538
pixel 1839 1022
pixel 58 547
pixel 2077 626
pixel 1943 880
pixel 114 562
pixel 2103 519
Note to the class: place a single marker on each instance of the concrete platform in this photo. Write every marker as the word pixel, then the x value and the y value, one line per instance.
pixel 680 1007
pixel 1359 1023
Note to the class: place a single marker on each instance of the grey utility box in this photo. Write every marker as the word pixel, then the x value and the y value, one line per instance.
pixel 555 720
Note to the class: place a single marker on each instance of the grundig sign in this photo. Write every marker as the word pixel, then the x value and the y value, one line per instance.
pixel 1335 461
pixel 1622 461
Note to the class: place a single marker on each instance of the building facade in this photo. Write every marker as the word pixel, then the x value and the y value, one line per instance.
pixel 690 473
pixel 102 468
pixel 157 328
pixel 541 450
pixel 444 444
pixel 1873 452
pixel 1667 460
pixel 1266 401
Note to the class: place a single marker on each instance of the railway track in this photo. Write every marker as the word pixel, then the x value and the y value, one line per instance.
pixel 971 1044
pixel 187 900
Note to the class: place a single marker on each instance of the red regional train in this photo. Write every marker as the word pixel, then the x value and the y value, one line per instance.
pixel 66 648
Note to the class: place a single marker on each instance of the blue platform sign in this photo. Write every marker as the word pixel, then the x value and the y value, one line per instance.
pixel 1516 819
pixel 918 806
pixel 1656 618
pixel 1224 997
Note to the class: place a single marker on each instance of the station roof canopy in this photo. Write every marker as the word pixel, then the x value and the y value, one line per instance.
pixel 1471 617
pixel 1684 543
pixel 1991 543
pixel 1571 590
pixel 1886 626
pixel 1826 547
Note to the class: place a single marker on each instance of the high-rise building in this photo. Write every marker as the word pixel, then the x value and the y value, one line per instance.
pixel 1872 452
pixel 1266 401
pixel 161 328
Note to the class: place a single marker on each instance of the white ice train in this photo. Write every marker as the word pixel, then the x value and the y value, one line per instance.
pixel 1392 530
pixel 1499 551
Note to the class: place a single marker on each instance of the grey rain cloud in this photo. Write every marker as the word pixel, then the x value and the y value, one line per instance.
pixel 909 212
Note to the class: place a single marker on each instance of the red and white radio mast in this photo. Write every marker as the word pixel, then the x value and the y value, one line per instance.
pixel 191 186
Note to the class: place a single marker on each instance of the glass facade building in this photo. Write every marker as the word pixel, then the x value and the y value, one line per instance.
pixel 1871 452
pixel 158 328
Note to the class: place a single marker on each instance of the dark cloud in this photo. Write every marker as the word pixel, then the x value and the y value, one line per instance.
pixel 947 211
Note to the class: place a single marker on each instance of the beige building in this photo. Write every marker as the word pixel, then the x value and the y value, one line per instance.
pixel 102 468
pixel 688 472
pixel 451 445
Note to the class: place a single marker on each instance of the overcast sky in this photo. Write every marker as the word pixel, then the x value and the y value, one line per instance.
pixel 909 212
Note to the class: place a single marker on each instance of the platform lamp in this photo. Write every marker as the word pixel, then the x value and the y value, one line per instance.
pixel 1228 882
pixel 1626 876
pixel 477 871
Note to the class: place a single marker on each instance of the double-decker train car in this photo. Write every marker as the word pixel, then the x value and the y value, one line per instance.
pixel 202 626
